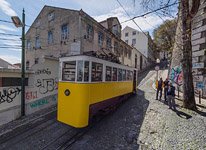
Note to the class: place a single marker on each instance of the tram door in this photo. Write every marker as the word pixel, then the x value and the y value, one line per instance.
pixel 135 81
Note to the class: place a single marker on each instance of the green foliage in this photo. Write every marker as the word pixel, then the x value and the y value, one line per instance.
pixel 164 35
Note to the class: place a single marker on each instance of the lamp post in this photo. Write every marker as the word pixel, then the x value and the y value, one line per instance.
pixel 17 22
pixel 157 67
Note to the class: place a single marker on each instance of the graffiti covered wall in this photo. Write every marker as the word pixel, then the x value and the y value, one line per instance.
pixel 40 93
pixel 176 75
pixel 42 89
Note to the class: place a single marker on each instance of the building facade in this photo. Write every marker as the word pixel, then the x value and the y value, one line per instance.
pixel 59 32
pixel 136 39
pixel 199 49
pixel 142 45
pixel 5 64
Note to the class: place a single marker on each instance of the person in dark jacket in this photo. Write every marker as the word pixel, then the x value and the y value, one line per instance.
pixel 171 96
pixel 166 84
pixel 159 88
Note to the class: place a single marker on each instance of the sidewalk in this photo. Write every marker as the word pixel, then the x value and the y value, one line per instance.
pixel 163 74
pixel 164 129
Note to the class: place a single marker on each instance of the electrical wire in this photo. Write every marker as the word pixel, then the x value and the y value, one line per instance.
pixel 10 47
pixel 9 34
pixel 4 39
pixel 142 15
pixel 134 22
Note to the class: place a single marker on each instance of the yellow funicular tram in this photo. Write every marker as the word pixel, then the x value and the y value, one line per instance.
pixel 88 84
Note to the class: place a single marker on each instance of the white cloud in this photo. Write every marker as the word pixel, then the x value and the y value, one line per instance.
pixel 6 8
pixel 1 31
pixel 11 59
pixel 7 28
pixel 146 24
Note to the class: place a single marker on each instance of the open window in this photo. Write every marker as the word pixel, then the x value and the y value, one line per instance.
pixel 108 73
pixel 119 74
pixel 114 74
pixel 97 70
pixel 124 75
pixel 86 71
pixel 80 71
pixel 128 75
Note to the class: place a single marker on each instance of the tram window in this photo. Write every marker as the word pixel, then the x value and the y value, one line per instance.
pixel 108 73
pixel 124 75
pixel 68 71
pixel 80 71
pixel 131 75
pixel 114 74
pixel 128 75
pixel 86 71
pixel 97 70
pixel 119 74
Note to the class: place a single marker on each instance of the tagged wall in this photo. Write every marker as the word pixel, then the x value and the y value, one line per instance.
pixel 176 75
pixel 39 94
pixel 42 89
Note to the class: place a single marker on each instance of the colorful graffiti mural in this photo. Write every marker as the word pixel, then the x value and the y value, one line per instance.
pixel 176 75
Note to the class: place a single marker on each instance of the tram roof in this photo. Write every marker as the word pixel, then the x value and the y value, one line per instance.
pixel 91 58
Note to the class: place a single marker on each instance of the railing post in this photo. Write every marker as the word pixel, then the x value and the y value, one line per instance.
pixel 199 96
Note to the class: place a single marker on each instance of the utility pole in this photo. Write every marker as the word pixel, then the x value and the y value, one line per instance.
pixel 23 66
pixel 18 23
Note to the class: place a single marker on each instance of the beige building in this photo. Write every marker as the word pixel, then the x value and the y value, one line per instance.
pixel 58 32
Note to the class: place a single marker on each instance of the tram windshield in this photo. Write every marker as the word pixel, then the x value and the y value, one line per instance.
pixel 68 71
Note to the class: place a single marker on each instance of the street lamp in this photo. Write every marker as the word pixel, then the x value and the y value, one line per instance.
pixel 17 22
pixel 157 67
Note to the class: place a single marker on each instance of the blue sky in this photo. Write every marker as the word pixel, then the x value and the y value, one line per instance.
pixel 99 10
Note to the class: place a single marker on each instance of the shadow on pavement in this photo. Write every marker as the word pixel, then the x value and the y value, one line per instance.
pixel 201 113
pixel 183 114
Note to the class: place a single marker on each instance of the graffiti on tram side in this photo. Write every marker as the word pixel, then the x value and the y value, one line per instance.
pixel 9 94
pixel 46 85
pixel 176 75
pixel 43 71
pixel 44 101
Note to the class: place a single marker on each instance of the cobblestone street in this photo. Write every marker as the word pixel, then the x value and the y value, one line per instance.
pixel 141 122
pixel 144 123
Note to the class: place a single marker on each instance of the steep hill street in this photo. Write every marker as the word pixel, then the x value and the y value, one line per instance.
pixel 139 123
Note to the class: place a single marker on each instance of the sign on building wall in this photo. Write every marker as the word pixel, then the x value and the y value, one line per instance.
pixel 200 85
pixel 198 65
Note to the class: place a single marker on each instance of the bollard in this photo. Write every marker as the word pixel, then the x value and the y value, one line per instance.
pixel 199 96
